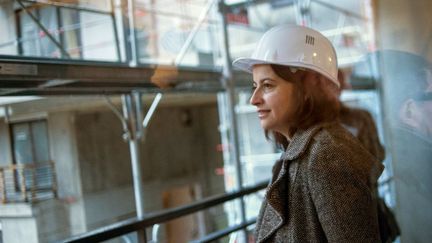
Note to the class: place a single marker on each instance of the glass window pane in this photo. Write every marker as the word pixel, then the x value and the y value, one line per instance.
pixel 22 143
pixel 183 33
pixel 70 29
pixel 30 35
pixel 48 18
pixel 40 139
pixel 97 46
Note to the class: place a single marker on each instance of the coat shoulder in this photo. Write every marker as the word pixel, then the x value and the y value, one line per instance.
pixel 334 149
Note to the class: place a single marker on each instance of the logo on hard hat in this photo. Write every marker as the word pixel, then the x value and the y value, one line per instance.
pixel 310 40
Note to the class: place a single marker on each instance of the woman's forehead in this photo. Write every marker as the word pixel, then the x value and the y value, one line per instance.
pixel 262 71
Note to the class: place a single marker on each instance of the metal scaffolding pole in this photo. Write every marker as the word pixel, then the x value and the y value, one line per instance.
pixel 134 127
pixel 303 15
pixel 116 37
pixel 228 83
pixel 129 35
pixel 132 114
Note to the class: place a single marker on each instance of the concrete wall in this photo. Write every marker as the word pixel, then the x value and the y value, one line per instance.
pixel 46 221
pixel 407 26
pixel 104 161
pixel 53 220
pixel 63 150
pixel 179 150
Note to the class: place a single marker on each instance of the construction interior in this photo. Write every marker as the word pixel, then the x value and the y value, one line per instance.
pixel 124 121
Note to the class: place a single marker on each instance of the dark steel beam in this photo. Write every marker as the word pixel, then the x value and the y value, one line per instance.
pixel 20 76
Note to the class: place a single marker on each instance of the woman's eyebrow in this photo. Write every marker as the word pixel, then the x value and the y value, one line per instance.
pixel 264 79
pixel 260 81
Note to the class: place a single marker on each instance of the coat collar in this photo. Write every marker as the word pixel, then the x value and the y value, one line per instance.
pixel 300 141
pixel 275 208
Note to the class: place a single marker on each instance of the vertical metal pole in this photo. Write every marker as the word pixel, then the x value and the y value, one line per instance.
pixel 228 83
pixel 116 37
pixel 138 114
pixel 23 182
pixel 128 32
pixel 303 17
pixel 60 27
pixel 131 113
pixel 132 36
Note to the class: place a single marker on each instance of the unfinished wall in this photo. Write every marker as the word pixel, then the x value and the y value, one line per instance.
pixel 63 150
pixel 104 160
pixel 52 219
pixel 46 221
pixel 179 150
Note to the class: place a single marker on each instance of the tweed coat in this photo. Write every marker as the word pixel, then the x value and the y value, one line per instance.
pixel 321 190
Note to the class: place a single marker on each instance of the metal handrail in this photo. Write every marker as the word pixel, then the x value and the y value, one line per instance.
pixel 26 165
pixel 134 224
pixel 221 233
pixel 27 182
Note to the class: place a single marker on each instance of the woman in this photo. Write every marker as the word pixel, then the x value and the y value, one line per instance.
pixel 322 187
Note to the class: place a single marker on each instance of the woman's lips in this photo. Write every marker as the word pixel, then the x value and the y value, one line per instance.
pixel 263 113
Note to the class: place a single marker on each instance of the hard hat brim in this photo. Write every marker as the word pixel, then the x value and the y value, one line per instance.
pixel 246 64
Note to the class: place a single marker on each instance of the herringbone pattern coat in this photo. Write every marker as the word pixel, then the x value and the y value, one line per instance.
pixel 321 191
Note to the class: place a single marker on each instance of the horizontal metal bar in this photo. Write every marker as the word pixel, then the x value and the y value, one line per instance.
pixel 68 6
pixel 173 14
pixel 61 77
pixel 48 60
pixel 249 3
pixel 219 234
pixel 28 164
pixel 58 61
pixel 131 225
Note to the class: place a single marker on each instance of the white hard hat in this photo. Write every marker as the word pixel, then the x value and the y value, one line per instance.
pixel 294 46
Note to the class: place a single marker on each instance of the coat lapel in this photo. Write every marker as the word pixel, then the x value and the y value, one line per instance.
pixel 275 209
pixel 274 212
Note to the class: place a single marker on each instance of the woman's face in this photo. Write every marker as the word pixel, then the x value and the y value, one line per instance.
pixel 274 98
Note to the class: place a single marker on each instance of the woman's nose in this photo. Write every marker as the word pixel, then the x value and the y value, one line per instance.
pixel 255 98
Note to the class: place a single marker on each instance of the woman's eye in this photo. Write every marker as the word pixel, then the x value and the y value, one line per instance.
pixel 267 86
